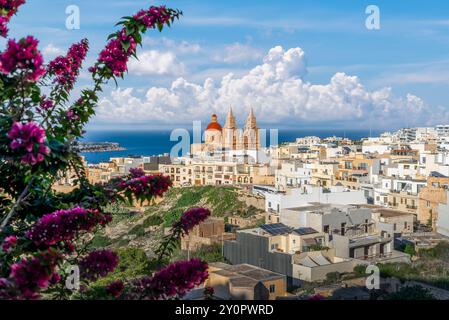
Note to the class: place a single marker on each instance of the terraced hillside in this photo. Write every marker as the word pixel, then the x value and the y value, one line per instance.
pixel 144 229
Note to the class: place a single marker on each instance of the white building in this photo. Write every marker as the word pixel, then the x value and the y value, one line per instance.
pixel 293 174
pixel 298 197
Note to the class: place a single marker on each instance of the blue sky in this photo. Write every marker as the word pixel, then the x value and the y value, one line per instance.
pixel 402 69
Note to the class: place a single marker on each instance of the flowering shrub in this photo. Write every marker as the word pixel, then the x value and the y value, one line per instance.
pixel 31 274
pixel 98 264
pixel 9 8
pixel 23 56
pixel 64 225
pixel 193 217
pixel 174 280
pixel 8 243
pixel 144 187
pixel 115 288
pixel 29 138
pixel 136 172
pixel 66 69
pixel 43 231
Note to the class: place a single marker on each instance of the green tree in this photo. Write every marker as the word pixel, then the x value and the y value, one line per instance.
pixel 410 249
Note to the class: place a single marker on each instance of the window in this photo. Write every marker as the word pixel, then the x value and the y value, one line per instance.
pixel 272 288
pixel 326 229
pixel 394 227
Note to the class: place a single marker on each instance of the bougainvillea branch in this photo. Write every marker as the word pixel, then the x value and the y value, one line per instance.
pixel 42 230
pixel 9 8
pixel 189 219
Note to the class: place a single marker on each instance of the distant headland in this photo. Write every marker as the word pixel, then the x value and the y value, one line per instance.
pixel 99 146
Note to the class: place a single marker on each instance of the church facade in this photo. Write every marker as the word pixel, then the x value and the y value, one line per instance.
pixel 229 136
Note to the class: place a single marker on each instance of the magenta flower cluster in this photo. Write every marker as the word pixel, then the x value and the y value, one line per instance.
pixel 192 218
pixel 176 279
pixel 136 172
pixel 152 16
pixel 46 104
pixel 115 56
pixel 29 138
pixel 66 69
pixel 8 243
pixel 29 275
pixel 98 264
pixel 115 288
pixel 7 9
pixel 152 185
pixel 64 225
pixel 23 55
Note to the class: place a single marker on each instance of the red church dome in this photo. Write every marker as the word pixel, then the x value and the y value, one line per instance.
pixel 214 125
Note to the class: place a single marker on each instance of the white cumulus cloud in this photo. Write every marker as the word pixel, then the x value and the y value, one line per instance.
pixel 278 92
pixel 154 62
pixel 237 53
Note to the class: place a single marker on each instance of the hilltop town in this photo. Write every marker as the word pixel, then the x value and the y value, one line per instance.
pixel 305 218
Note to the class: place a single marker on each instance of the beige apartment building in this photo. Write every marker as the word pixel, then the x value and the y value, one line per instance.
pixel 217 173
pixel 403 201
pixel 323 173
pixel 98 175
pixel 430 197
pixel 355 169
pixel 402 221
pixel 245 282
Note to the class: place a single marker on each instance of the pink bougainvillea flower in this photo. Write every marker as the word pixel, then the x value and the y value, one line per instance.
pixel 30 275
pixel 98 264
pixel 176 279
pixel 192 218
pixel 46 104
pixel 8 243
pixel 115 288
pixel 66 68
pixel 152 185
pixel 115 55
pixel 7 9
pixel 136 172
pixel 29 138
pixel 64 225
pixel 23 56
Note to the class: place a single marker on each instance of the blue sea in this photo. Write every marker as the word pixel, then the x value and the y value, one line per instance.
pixel 147 143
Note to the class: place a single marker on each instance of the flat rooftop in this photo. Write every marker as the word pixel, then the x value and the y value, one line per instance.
pixel 385 212
pixel 390 213
pixel 244 275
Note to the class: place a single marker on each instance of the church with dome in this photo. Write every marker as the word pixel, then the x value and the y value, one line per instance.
pixel 229 136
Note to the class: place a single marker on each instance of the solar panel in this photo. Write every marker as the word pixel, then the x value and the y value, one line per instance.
pixel 304 231
pixel 276 228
